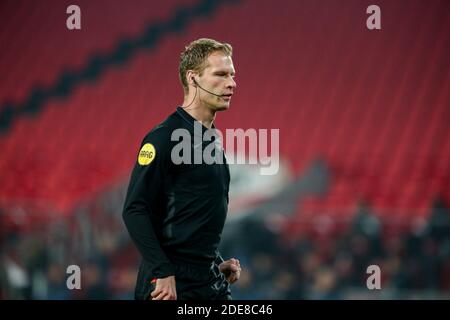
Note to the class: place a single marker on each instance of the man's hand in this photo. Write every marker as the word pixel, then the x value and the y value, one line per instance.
pixel 165 289
pixel 231 269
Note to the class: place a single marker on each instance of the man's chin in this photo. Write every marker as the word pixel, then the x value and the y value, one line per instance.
pixel 223 107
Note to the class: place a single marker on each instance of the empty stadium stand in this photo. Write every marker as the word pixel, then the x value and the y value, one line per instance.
pixel 373 104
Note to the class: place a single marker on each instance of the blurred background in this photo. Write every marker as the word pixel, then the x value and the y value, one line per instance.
pixel 364 142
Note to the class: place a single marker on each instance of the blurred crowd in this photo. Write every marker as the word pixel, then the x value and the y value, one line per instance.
pixel 414 264
pixel 34 263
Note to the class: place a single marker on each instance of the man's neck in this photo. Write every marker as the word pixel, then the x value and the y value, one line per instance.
pixel 202 114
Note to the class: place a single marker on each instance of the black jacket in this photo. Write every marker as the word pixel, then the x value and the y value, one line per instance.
pixel 175 213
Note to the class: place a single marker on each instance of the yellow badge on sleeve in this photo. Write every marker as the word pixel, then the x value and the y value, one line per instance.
pixel 147 154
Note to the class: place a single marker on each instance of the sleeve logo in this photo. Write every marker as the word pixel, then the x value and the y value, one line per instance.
pixel 147 154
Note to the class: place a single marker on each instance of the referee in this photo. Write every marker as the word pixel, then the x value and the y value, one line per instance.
pixel 175 212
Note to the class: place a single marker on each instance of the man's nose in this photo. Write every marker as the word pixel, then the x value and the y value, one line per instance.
pixel 232 84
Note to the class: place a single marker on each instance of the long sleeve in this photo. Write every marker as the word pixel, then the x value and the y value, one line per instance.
pixel 144 189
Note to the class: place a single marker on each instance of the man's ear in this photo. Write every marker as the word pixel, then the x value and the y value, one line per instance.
pixel 190 77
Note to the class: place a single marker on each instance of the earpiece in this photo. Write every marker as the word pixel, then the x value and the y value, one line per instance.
pixel 197 85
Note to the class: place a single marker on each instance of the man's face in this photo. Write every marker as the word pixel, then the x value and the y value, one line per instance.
pixel 217 77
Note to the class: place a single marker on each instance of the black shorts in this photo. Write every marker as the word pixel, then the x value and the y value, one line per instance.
pixel 192 283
